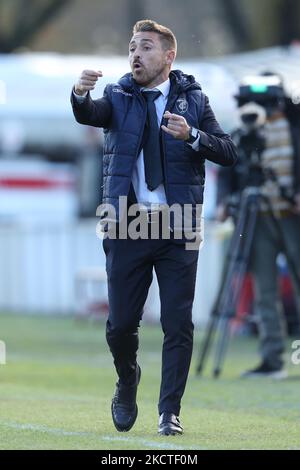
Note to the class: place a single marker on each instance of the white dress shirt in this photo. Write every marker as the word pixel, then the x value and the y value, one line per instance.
pixel 143 194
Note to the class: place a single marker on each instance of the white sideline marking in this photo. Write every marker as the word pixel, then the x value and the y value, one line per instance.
pixel 61 432
pixel 151 444
pixel 44 429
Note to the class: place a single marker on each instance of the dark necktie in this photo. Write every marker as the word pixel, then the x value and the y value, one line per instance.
pixel 151 148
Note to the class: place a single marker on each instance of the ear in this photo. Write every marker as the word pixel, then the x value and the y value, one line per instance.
pixel 170 57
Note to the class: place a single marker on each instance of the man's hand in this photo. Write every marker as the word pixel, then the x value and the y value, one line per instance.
pixel 177 126
pixel 87 81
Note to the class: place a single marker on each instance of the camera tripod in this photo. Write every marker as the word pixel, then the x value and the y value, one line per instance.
pixel 235 268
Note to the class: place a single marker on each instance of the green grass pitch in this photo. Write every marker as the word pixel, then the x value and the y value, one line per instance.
pixel 56 389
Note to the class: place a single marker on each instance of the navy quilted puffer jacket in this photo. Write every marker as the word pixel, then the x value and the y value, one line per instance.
pixel 122 113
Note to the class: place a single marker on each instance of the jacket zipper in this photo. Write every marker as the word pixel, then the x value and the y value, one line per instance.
pixel 141 134
pixel 139 142
pixel 169 106
pixel 170 103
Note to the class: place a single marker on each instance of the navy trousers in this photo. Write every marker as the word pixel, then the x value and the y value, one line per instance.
pixel 129 266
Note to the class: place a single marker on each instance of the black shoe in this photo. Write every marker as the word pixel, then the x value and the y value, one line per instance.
pixel 169 425
pixel 265 370
pixel 124 409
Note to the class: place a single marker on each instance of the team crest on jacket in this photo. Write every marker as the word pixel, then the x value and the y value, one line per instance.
pixel 182 105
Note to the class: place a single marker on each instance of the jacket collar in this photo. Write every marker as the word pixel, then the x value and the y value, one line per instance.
pixel 180 82
pixel 164 88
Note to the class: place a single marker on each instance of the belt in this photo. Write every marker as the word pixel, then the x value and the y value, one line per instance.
pixel 153 210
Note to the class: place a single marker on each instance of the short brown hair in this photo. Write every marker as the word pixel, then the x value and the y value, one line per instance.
pixel 166 35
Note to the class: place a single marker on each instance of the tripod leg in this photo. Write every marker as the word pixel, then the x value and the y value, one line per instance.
pixel 206 343
pixel 237 275
pixel 214 317
pixel 221 346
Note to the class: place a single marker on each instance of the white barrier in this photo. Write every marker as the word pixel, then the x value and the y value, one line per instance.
pixel 2 353
pixel 41 264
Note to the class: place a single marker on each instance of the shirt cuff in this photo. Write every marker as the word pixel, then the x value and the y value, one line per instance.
pixel 80 98
pixel 196 145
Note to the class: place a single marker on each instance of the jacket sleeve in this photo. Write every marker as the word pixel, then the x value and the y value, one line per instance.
pixel 215 145
pixel 96 113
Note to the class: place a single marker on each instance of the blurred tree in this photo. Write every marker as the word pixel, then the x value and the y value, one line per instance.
pixel 202 27
pixel 238 22
pixel 262 23
pixel 136 12
pixel 288 20
pixel 20 20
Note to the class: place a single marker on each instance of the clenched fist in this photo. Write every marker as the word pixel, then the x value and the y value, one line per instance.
pixel 87 81
pixel 177 126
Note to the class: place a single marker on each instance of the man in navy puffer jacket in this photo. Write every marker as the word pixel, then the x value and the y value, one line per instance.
pixel 159 129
